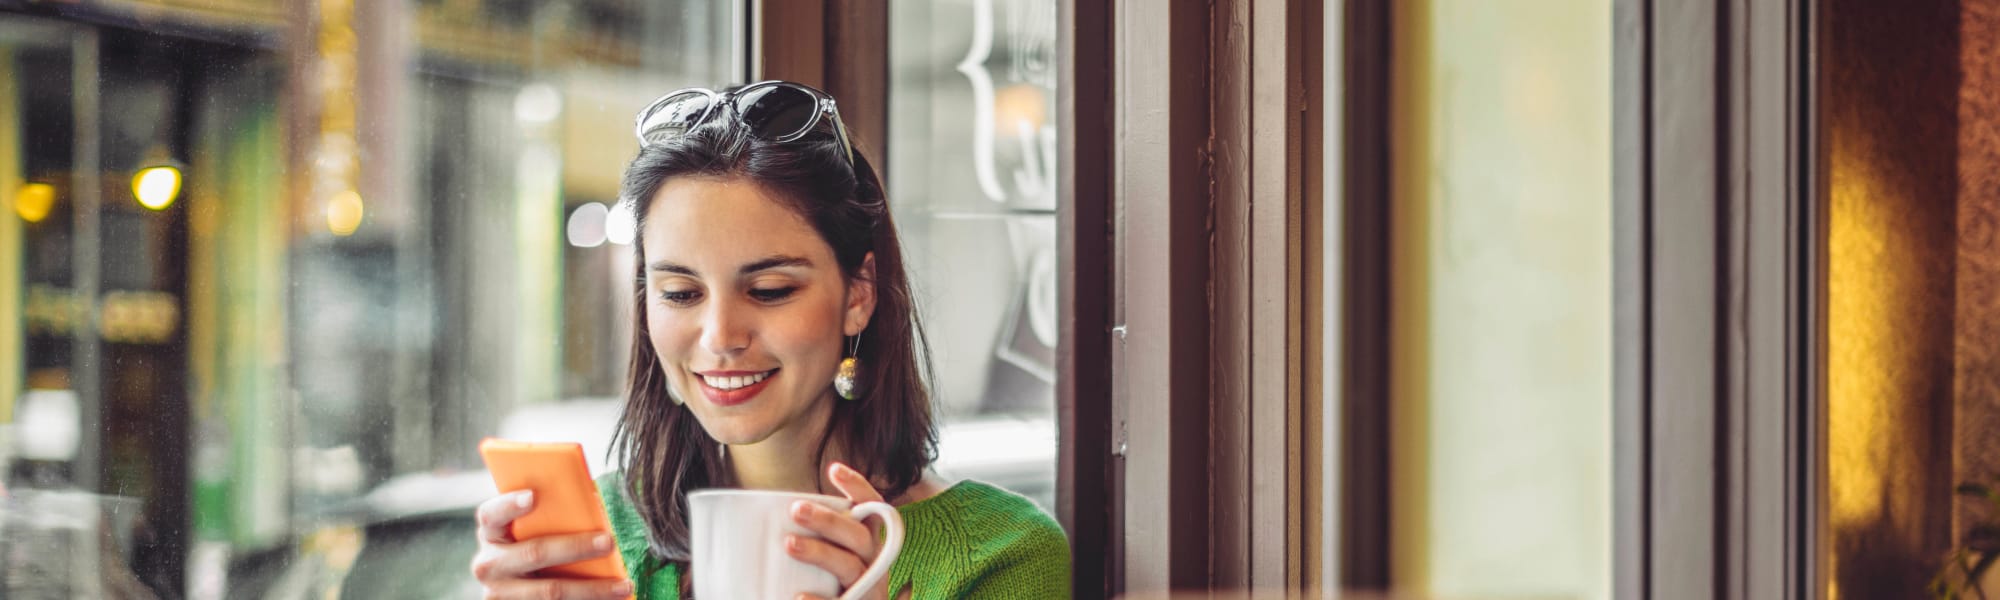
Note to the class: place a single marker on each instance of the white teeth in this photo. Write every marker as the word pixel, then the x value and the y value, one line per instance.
pixel 730 383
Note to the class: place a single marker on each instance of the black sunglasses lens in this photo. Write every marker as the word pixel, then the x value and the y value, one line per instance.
pixel 777 111
pixel 675 116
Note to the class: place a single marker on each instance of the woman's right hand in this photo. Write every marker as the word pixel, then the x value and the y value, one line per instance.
pixel 503 565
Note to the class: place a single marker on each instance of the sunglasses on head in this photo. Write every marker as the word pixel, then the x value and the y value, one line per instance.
pixel 776 111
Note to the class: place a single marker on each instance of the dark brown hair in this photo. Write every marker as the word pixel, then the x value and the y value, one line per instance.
pixel 887 434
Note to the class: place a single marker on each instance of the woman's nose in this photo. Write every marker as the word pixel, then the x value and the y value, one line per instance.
pixel 723 330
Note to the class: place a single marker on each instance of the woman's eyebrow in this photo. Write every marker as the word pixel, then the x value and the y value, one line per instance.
pixel 660 266
pixel 773 263
pixel 768 263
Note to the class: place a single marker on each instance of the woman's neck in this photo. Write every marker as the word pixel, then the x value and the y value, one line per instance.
pixel 784 461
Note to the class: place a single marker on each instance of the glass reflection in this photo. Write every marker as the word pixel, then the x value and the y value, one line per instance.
pixel 972 173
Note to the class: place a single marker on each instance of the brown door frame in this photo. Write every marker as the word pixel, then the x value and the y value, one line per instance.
pixel 1088 503
pixel 1366 308
pixel 1216 312
pixel 1265 110
pixel 1718 260
pixel 1160 355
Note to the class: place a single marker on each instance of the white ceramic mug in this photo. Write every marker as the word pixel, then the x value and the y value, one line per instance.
pixel 739 545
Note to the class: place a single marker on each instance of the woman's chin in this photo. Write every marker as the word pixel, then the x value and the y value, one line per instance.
pixel 735 431
pixel 751 423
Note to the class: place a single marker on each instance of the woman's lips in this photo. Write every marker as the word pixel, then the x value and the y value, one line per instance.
pixel 732 397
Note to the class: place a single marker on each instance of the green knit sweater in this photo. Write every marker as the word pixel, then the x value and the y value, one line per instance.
pixel 970 541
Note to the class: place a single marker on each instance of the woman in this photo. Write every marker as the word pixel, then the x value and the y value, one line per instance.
pixel 775 347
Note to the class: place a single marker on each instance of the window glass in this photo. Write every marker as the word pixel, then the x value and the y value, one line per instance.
pixel 972 178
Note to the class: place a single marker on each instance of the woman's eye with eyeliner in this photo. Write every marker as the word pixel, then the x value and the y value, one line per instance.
pixel 679 297
pixel 772 294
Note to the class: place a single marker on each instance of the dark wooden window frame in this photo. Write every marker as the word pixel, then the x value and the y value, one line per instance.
pixel 1087 501
pixel 1719 300
pixel 1719 267
pixel 1216 307
pixel 1365 259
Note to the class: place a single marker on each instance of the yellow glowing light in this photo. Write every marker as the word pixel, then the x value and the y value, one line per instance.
pixel 343 213
pixel 34 201
pixel 1019 107
pixel 156 187
pixel 1869 297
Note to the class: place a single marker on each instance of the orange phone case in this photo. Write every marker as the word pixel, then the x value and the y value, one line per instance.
pixel 566 499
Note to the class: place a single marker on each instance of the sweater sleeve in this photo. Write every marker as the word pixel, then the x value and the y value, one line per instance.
pixel 1034 565
pixel 981 542
pixel 654 581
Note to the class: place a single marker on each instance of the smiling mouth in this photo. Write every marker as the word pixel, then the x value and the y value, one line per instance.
pixel 736 382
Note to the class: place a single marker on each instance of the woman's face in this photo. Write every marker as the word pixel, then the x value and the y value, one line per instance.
pixel 746 308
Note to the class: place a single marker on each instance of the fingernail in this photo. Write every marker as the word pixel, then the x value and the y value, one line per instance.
pixel 791 542
pixel 526 499
pixel 603 542
pixel 799 509
pixel 623 587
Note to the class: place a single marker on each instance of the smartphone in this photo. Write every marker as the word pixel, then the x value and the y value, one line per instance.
pixel 566 499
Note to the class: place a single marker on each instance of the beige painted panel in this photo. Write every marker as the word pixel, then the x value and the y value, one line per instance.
pixel 1502 186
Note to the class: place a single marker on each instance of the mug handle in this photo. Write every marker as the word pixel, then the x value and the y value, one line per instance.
pixel 891 548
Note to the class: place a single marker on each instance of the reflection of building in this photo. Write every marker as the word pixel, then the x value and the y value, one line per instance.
pixel 364 267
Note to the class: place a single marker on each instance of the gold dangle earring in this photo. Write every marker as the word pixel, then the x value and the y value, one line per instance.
pixel 846 380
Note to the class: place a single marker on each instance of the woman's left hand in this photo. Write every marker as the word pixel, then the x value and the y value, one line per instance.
pixel 845 546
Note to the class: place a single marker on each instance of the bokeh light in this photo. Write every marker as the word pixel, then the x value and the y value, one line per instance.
pixel 34 201
pixel 157 187
pixel 587 225
pixel 619 225
pixel 343 213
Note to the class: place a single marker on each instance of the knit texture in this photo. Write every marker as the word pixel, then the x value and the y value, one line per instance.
pixel 971 541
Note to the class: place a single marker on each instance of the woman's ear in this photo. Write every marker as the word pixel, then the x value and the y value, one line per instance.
pixel 860 297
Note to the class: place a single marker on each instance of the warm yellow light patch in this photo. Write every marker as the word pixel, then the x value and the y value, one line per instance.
pixel 343 213
pixel 34 201
pixel 1860 336
pixel 1891 253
